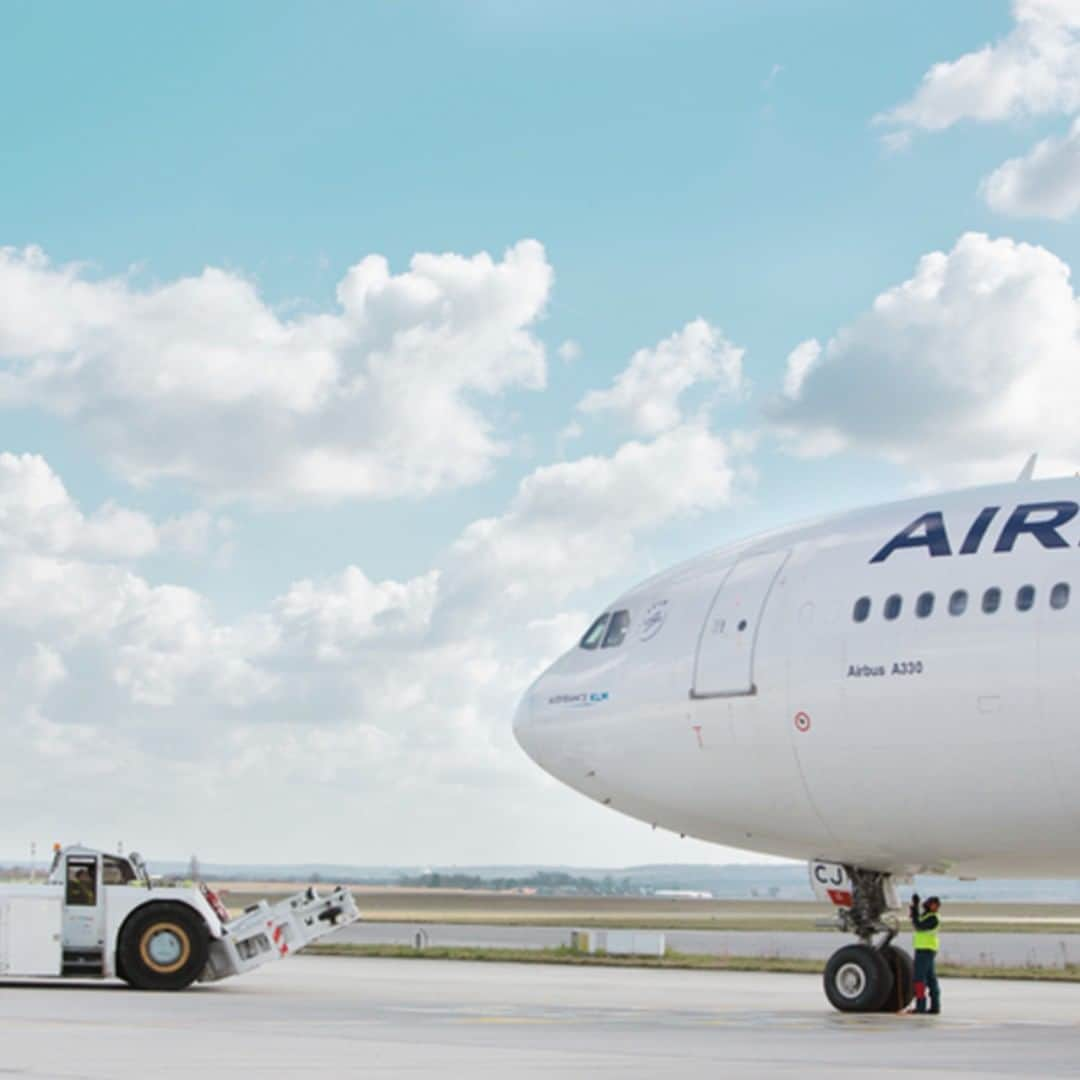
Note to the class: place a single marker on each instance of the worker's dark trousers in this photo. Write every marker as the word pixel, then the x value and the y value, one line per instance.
pixel 926 979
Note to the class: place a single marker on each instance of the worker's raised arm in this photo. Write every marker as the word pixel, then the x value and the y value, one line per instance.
pixel 928 921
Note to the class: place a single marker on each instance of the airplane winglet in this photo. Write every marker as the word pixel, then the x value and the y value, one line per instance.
pixel 1028 471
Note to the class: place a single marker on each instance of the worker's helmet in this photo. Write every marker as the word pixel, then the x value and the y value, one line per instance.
pixel 932 901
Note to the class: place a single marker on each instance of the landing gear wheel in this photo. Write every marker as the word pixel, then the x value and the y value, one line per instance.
pixel 163 947
pixel 857 979
pixel 902 967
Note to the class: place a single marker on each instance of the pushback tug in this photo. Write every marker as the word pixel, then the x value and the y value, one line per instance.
pixel 99 915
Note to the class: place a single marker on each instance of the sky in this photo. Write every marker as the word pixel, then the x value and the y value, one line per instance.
pixel 352 356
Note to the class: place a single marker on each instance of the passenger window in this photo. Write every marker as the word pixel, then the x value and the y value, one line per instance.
pixel 958 602
pixel 1025 598
pixel 924 606
pixel 862 609
pixel 617 629
pixel 116 871
pixel 893 606
pixel 81 887
pixel 1059 595
pixel 594 635
pixel 991 600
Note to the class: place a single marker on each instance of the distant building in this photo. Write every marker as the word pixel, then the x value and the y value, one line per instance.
pixel 683 894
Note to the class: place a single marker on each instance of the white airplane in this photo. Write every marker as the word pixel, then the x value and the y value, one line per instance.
pixel 884 692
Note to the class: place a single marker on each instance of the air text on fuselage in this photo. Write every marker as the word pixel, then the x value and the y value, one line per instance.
pixel 1042 521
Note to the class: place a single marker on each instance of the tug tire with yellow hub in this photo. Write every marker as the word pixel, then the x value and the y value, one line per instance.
pixel 162 947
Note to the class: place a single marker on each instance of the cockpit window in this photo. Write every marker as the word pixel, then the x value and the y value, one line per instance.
pixel 617 629
pixel 594 635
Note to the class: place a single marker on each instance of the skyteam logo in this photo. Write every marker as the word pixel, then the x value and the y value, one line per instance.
pixel 1041 521
pixel 653 620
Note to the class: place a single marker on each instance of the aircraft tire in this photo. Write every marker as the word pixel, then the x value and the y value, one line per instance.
pixel 902 966
pixel 857 979
pixel 163 947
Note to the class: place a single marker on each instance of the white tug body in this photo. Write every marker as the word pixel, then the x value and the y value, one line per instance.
pixel 99 916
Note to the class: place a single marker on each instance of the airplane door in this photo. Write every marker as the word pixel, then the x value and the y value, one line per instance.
pixel 725 656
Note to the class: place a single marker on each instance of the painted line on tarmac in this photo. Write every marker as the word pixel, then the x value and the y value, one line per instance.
pixel 510 1020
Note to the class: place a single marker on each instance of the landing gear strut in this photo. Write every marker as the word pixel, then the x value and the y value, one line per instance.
pixel 872 976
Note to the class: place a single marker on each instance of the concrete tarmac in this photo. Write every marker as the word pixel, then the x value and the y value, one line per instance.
pixel 990 949
pixel 336 1017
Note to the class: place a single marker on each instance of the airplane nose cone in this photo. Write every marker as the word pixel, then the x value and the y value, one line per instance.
pixel 522 721
pixel 556 741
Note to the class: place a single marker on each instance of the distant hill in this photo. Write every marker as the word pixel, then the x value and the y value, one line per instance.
pixel 740 881
pixel 727 882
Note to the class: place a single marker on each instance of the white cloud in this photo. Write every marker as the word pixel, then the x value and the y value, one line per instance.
pixel 37 513
pixel 62 591
pixel 157 644
pixel 896 142
pixel 200 380
pixel 43 669
pixel 570 525
pixel 647 392
pixel 1043 183
pixel 799 364
pixel 195 533
pixel 350 697
pixel 569 351
pixel 336 617
pixel 1032 70
pixel 170 649
pixel 568 434
pixel 960 371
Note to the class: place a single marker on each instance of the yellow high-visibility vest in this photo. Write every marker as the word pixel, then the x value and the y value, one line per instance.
pixel 928 939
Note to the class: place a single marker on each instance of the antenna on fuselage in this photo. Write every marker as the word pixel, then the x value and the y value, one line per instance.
pixel 1028 471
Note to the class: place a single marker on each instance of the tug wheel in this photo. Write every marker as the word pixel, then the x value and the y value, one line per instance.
pixel 162 947
pixel 857 979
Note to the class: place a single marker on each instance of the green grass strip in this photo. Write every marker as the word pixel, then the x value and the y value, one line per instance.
pixel 778 925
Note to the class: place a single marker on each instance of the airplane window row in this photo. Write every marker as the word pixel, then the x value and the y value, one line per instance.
pixel 958 602
pixel 608 632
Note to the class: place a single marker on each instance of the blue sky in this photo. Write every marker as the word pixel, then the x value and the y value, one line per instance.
pixel 715 161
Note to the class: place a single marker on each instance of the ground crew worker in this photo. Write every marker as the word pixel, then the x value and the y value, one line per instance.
pixel 926 942
pixel 81 888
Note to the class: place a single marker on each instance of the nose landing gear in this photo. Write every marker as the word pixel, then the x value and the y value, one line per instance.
pixel 870 976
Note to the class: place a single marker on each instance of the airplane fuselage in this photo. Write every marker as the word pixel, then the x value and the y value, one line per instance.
pixel 896 689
